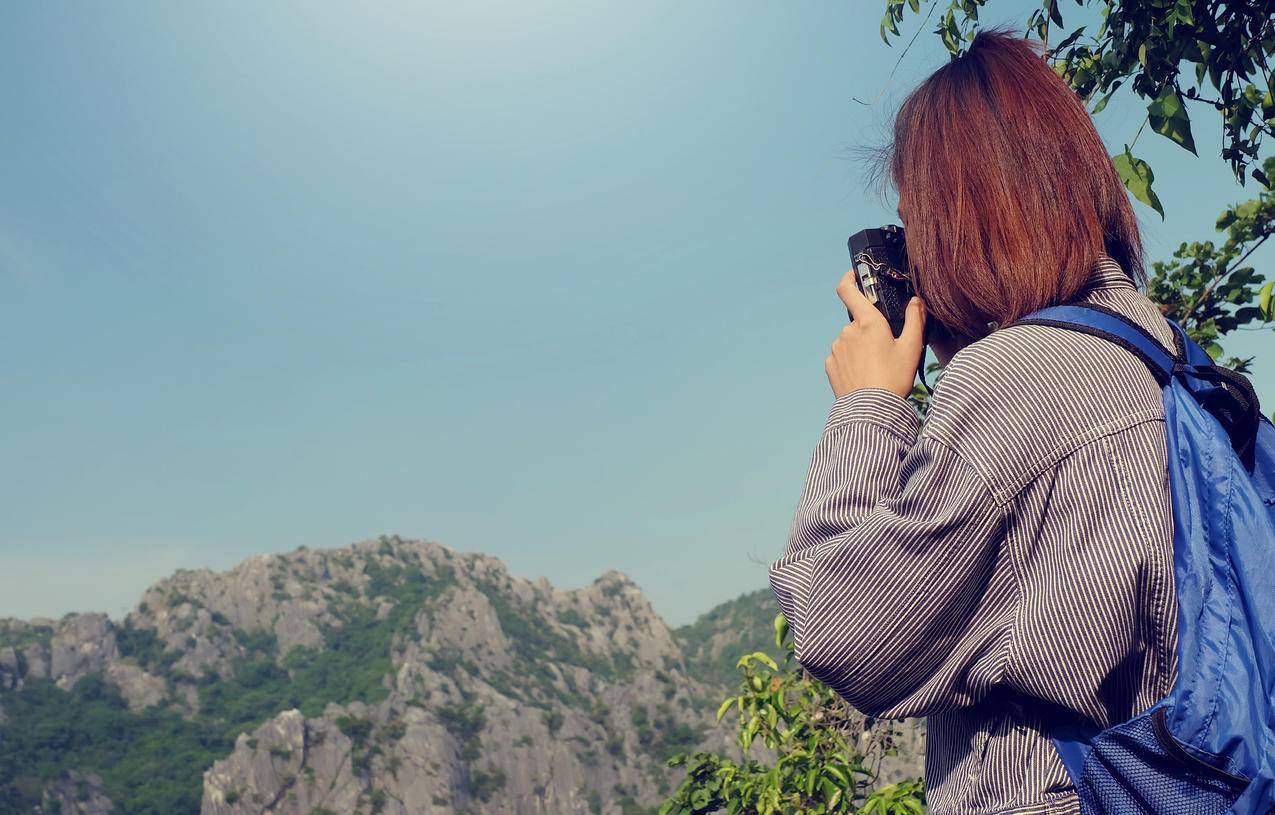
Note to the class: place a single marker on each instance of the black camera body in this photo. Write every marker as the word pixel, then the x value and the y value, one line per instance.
pixel 880 260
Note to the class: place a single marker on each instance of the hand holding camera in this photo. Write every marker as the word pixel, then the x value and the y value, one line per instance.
pixel 866 354
pixel 882 345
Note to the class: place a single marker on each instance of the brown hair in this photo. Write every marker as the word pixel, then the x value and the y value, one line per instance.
pixel 1006 190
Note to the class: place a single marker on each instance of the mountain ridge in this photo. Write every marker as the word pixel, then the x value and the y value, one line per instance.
pixel 387 676
pixel 428 650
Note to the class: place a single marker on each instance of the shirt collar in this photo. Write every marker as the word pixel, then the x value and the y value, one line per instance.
pixel 1107 274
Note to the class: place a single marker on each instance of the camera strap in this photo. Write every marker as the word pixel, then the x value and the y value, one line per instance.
pixel 920 371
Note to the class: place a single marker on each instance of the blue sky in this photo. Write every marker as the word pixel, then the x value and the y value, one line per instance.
pixel 548 281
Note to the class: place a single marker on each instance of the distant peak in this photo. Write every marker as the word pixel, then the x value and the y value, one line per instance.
pixel 615 576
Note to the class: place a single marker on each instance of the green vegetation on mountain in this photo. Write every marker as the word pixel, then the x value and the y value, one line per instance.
pixel 152 762
pixel 350 666
pixel 20 636
pixel 715 641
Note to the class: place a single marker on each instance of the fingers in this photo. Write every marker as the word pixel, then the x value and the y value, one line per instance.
pixel 912 337
pixel 861 308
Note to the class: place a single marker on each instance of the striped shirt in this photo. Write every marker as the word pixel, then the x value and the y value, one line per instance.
pixel 1017 548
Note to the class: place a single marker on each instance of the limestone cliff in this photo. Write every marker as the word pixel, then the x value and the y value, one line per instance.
pixel 391 676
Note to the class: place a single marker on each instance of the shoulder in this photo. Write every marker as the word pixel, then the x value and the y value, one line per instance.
pixel 1010 360
pixel 1015 402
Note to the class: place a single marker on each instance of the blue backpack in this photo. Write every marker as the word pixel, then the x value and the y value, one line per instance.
pixel 1208 748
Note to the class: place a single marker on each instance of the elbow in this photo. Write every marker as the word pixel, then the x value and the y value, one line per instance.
pixel 841 644
pixel 868 694
pixel 821 663
pixel 855 666
pixel 826 656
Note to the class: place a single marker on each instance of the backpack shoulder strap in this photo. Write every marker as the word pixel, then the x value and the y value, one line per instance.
pixel 1228 396
pixel 1116 328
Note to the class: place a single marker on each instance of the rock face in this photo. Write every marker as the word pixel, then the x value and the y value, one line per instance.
pixel 398 676
pixel 72 793
pixel 24 651
pixel 503 694
pixel 82 644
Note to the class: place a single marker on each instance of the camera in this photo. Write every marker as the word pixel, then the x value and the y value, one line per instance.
pixel 881 270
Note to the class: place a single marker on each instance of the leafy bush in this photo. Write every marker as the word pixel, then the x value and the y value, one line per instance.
pixel 483 784
pixel 820 767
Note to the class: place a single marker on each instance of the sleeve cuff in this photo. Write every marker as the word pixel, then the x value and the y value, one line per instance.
pixel 876 406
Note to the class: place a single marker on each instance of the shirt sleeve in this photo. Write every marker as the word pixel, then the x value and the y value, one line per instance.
pixel 889 581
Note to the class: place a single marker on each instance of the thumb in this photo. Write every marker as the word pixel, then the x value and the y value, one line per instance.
pixel 912 337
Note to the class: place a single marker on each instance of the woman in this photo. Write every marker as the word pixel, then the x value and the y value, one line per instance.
pixel 1011 561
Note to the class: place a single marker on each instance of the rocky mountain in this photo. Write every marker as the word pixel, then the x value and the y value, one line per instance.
pixel 714 642
pixel 391 676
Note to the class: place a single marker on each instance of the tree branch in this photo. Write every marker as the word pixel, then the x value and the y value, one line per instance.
pixel 1213 284
pixel 1145 119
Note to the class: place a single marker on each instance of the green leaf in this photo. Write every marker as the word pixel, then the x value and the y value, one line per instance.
pixel 888 23
pixel 1102 103
pixel 950 33
pixel 781 629
pixel 827 788
pixel 1137 176
pixel 1072 37
pixel 1054 14
pixel 1167 116
pixel 721 711
pixel 1264 300
pixel 763 658
pixel 834 799
pixel 915 5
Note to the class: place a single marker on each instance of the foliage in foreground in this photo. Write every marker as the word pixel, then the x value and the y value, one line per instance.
pixel 828 755
pixel 1207 288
